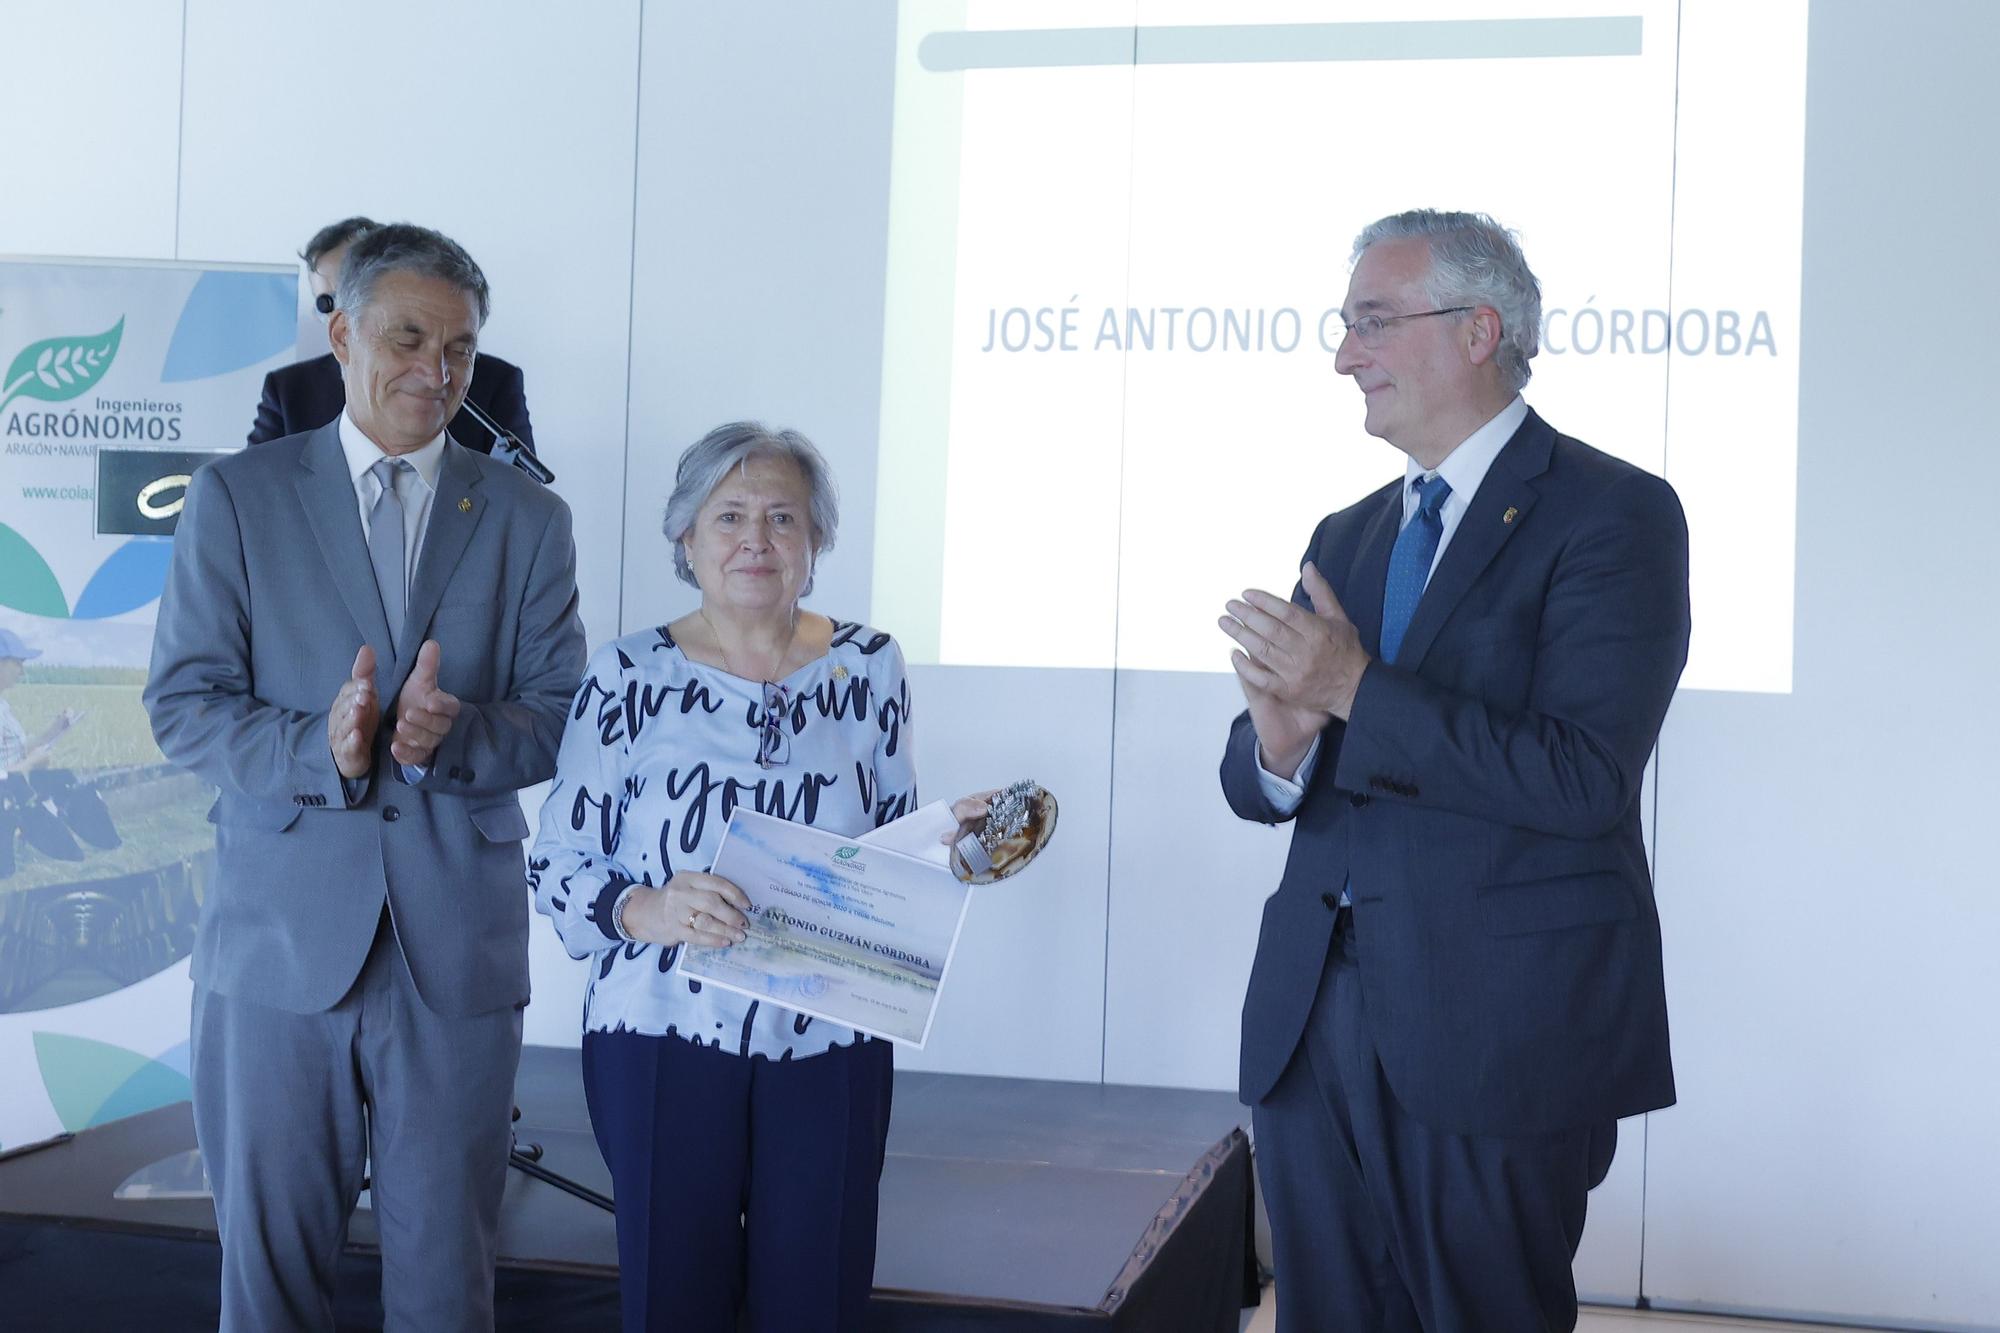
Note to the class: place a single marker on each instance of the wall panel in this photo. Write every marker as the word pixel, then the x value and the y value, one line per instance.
pixel 1824 857
pixel 763 197
pixel 510 128
pixel 89 116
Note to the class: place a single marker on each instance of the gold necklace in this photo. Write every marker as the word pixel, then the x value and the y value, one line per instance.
pixel 723 649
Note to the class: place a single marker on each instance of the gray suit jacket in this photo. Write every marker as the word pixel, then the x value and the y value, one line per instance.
pixel 269 596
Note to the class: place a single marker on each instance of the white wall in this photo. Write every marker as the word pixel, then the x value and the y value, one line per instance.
pixel 1827 887
pixel 91 104
pixel 514 134
pixel 682 207
pixel 763 178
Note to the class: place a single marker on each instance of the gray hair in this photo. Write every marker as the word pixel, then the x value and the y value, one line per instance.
pixel 1474 261
pixel 709 459
pixel 403 247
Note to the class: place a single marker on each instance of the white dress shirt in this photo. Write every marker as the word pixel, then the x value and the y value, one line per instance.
pixel 1463 469
pixel 363 454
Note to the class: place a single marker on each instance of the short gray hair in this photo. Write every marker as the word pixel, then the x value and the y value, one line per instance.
pixel 406 248
pixel 1475 261
pixel 709 459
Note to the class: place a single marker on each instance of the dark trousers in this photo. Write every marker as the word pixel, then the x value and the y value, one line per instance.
pixel 1380 1224
pixel 742 1183
pixel 288 1107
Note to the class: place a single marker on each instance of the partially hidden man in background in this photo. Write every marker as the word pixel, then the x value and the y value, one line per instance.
pixel 1457 990
pixel 368 641
pixel 308 394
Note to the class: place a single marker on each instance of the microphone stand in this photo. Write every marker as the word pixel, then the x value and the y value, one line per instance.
pixel 509 447
pixel 527 1158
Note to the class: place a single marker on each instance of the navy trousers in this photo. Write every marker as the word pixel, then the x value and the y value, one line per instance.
pixel 1380 1224
pixel 743 1185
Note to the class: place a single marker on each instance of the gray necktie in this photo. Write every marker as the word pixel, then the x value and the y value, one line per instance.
pixel 385 544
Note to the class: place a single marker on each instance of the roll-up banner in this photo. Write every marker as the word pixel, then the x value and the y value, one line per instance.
pixel 117 380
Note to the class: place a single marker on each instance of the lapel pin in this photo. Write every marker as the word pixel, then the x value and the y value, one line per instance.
pixel 465 507
pixel 1508 517
pixel 840 673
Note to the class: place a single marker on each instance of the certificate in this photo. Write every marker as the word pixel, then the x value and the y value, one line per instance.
pixel 840 929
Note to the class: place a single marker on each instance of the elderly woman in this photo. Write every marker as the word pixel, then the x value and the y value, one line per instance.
pixel 745 1141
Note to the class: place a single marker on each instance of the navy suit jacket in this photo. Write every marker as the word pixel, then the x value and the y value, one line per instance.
pixel 307 394
pixel 1482 800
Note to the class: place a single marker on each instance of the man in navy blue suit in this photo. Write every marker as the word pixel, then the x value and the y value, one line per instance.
pixel 1457 991
pixel 308 394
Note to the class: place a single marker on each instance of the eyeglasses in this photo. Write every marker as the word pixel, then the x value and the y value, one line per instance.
pixel 774 743
pixel 1369 328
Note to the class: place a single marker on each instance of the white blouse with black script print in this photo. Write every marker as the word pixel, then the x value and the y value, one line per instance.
pixel 657 753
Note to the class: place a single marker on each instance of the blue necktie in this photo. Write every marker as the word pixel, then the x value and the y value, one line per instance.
pixel 1410 562
pixel 1409 569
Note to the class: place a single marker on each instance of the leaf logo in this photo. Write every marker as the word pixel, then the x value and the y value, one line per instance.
pixel 847 853
pixel 58 369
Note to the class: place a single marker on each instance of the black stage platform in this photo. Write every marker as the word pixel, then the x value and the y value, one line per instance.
pixel 1007 1204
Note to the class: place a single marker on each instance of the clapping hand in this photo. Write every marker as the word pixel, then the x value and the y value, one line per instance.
pixel 1298 668
pixel 424 712
pixel 351 722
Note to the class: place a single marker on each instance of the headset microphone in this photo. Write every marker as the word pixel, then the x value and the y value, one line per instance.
pixel 324 303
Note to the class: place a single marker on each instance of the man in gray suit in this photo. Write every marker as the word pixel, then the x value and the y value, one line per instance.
pixel 368 640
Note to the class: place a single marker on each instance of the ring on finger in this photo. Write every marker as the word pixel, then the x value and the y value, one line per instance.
pixel 692 916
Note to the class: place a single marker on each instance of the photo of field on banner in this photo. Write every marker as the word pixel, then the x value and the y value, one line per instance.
pixel 840 929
